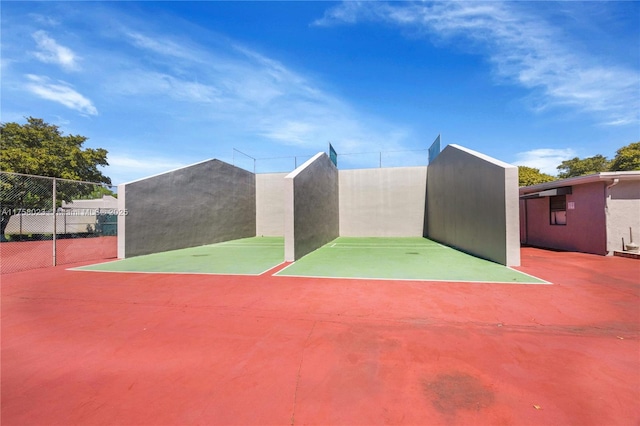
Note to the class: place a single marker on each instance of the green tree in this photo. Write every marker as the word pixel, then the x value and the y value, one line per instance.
pixel 531 176
pixel 586 166
pixel 98 192
pixel 39 148
pixel 627 158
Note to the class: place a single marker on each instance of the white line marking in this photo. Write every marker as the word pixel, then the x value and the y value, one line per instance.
pixel 162 273
pixel 240 245
pixel 410 279
pixel 529 275
pixel 267 270
pixel 283 269
pixel 386 247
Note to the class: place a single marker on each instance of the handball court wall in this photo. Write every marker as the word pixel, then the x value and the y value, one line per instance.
pixel 311 207
pixel 463 199
pixel 473 205
pixel 201 204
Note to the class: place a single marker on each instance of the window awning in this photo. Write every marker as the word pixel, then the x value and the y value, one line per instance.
pixel 563 190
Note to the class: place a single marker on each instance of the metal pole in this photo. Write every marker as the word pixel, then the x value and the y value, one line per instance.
pixel 380 159
pixel 54 221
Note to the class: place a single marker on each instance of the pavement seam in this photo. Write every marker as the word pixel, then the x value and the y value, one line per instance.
pixel 295 394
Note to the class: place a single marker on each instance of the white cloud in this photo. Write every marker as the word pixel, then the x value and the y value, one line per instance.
pixel 44 20
pixel 124 168
pixel 252 93
pixel 143 82
pixel 545 159
pixel 524 48
pixel 145 164
pixel 49 51
pixel 60 92
pixel 161 46
pixel 293 132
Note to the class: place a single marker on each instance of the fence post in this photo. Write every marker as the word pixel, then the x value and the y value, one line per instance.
pixel 55 229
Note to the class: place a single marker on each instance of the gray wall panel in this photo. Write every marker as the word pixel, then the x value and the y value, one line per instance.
pixel 196 205
pixel 311 207
pixel 386 202
pixel 472 204
pixel 270 204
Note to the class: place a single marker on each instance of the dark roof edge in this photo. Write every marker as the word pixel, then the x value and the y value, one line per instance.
pixel 581 180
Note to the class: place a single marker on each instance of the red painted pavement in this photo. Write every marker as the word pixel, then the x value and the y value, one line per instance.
pixel 24 255
pixel 136 349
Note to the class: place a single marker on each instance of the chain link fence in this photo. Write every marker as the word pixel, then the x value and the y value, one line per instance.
pixel 51 221
pixel 355 160
pixel 378 159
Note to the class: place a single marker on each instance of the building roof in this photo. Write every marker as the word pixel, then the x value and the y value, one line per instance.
pixel 581 180
pixel 106 202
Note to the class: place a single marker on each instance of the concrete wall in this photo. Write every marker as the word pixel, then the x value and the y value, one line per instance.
pixel 270 204
pixel 387 202
pixel 472 204
pixel 122 220
pixel 77 217
pixel 623 212
pixel 205 203
pixel 311 208
pixel 42 223
pixel 585 230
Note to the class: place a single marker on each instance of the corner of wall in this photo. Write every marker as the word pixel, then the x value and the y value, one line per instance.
pixel 289 225
pixel 425 225
pixel 122 217
pixel 512 216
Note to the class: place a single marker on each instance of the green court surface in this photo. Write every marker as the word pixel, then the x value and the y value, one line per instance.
pixel 403 259
pixel 247 256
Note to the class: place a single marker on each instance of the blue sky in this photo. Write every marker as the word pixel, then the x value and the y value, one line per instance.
pixel 165 84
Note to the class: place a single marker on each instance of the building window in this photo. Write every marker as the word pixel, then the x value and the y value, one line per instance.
pixel 558 209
